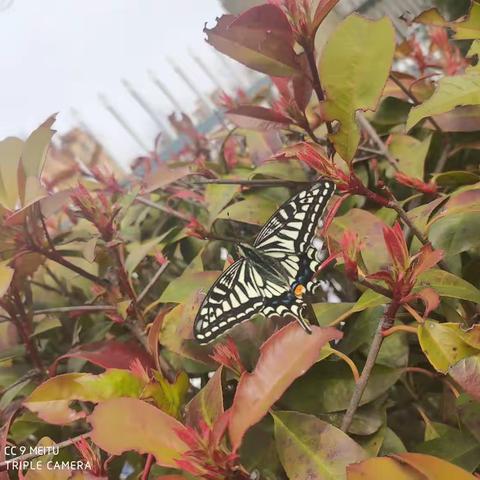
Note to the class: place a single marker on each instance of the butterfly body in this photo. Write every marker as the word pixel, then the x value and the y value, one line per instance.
pixel 274 274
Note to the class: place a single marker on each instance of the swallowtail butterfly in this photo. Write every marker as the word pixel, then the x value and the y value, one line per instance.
pixel 274 273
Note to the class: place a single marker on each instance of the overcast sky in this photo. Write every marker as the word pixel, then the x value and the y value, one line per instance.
pixel 58 54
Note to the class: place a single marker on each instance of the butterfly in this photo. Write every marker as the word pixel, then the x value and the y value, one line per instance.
pixel 272 275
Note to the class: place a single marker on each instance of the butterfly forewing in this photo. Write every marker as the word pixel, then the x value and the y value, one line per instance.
pixel 242 291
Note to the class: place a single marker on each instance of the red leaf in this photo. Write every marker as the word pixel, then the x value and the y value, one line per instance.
pixel 430 298
pixel 323 9
pixel 397 247
pixel 302 84
pixel 258 391
pixel 153 333
pixel 415 183
pixel 257 118
pixel 108 354
pixel 261 38
pixel 467 374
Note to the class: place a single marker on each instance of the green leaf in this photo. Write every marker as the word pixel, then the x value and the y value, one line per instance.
pixel 456 233
pixel 459 448
pixel 207 404
pixel 184 286
pixel 217 196
pixel 354 68
pixel 469 413
pixel 46 324
pixel 448 285
pixel 411 153
pixel 291 170
pixel 328 387
pixel 253 210
pixel 443 344
pixel 138 251
pixel 123 424
pixel 328 313
pixel 51 400
pixel 450 93
pixel 169 397
pixel 313 449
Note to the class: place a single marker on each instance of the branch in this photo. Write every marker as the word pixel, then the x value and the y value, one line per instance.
pixel 385 323
pixel 252 183
pixel 152 282
pixel 317 86
pixel 367 126
pixel 28 456
pixel 393 204
pixel 414 99
pixel 56 257
pixel 163 208
pixel 76 308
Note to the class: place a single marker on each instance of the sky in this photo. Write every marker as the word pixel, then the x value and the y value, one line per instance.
pixel 61 54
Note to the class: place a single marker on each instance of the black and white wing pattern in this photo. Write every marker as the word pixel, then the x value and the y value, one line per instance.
pixel 233 298
pixel 244 290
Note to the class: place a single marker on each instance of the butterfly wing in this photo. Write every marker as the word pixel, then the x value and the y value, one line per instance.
pixel 288 235
pixel 242 291
pixel 233 298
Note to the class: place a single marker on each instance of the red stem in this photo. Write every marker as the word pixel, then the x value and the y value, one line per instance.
pixel 148 466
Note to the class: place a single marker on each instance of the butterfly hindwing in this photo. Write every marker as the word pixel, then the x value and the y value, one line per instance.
pixel 233 298
pixel 242 291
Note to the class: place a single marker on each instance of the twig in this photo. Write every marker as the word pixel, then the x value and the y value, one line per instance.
pixel 400 328
pixel 163 208
pixel 28 456
pixel 367 126
pixel 349 362
pixel 385 323
pixel 20 318
pixel 27 376
pixel 376 288
pixel 56 257
pixel 252 183
pixel 316 83
pixel 414 99
pixel 152 282
pixel 75 308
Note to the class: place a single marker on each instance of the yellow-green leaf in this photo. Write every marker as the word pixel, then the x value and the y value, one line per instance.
pixel 450 93
pixel 32 161
pixel 466 28
pixel 311 448
pixel 410 153
pixel 447 284
pixel 6 275
pixel 51 399
pixel 10 153
pixel 443 344
pixel 252 210
pixel 354 69
pixel 123 424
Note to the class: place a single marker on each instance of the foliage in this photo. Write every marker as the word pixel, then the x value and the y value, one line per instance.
pixel 100 281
